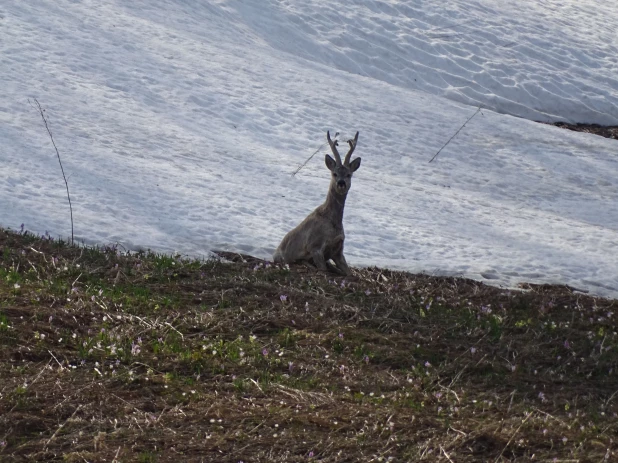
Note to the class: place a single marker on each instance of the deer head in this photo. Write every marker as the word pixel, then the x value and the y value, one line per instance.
pixel 341 171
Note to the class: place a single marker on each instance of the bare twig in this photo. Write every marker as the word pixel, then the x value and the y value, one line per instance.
pixel 511 402
pixel 457 430
pixel 551 416
pixel 256 384
pixel 66 183
pixel 39 375
pixel 479 362
pixel 115 460
pixel 172 327
pixel 33 267
pixel 446 454
pixel 149 325
pixel 310 157
pixel 76 279
pixel 141 412
pixel 59 364
pixel 610 398
pixel 457 376
pixel 460 128
pixel 513 436
pixel 257 427
pixel 62 426
pixel 448 389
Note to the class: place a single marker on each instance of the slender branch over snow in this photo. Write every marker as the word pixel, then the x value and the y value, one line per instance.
pixel 310 157
pixel 66 183
pixel 449 140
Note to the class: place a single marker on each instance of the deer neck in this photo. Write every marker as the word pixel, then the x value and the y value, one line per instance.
pixel 334 204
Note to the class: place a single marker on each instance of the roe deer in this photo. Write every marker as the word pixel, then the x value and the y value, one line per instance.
pixel 319 238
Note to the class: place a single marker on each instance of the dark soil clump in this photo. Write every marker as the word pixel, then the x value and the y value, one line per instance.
pixel 608 131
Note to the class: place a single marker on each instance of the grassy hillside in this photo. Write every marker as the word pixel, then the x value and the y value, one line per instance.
pixel 106 356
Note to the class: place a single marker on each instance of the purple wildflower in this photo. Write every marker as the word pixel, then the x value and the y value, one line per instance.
pixel 135 349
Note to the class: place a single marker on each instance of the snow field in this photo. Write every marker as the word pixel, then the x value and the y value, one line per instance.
pixel 180 124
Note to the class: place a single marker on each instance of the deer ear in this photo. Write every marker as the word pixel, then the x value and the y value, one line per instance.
pixel 354 165
pixel 330 162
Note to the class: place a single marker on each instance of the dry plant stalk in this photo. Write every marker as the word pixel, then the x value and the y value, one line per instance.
pixel 460 128
pixel 66 183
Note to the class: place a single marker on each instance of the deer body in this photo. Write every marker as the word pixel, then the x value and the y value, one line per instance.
pixel 319 238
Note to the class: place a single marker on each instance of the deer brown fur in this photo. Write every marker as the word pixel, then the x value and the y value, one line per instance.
pixel 319 238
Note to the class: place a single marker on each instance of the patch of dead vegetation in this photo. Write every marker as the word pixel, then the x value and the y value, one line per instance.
pixel 607 131
pixel 106 356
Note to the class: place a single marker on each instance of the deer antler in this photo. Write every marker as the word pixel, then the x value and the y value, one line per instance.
pixel 333 147
pixel 352 144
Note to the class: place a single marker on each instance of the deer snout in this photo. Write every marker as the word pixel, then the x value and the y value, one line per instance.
pixel 341 184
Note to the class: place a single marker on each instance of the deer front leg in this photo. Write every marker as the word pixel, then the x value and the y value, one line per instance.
pixel 318 260
pixel 342 265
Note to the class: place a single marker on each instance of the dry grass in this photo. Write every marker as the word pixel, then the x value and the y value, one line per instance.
pixel 112 357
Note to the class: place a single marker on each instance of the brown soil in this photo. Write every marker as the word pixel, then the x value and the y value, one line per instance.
pixel 147 358
pixel 604 131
